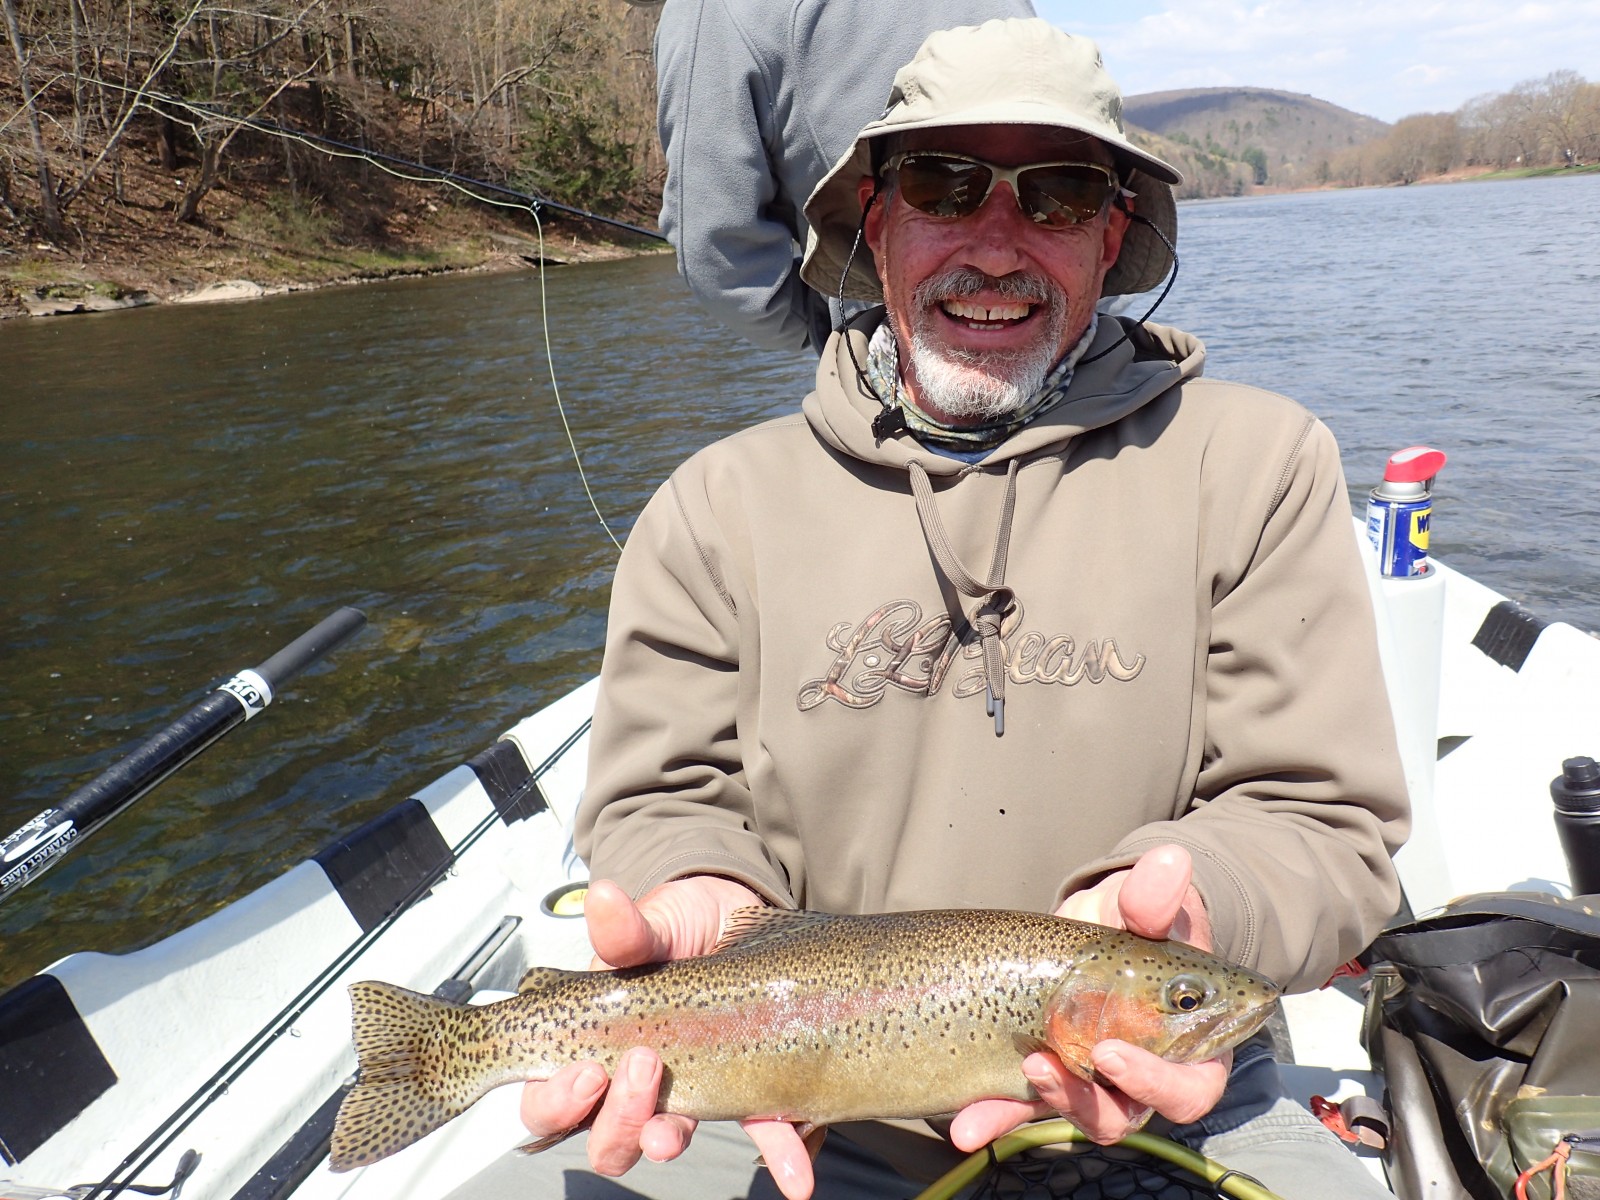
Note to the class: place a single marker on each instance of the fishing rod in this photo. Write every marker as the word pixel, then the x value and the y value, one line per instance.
pixel 392 164
pixel 169 1130
pixel 536 202
pixel 39 844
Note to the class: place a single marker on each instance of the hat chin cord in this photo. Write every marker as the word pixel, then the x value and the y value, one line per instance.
pixel 890 420
pixel 1172 278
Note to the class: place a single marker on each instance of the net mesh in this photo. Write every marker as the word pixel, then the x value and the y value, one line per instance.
pixel 1091 1173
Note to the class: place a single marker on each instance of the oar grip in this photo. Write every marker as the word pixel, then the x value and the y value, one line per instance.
pixel 306 649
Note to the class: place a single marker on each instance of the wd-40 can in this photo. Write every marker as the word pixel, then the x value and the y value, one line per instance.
pixel 1401 509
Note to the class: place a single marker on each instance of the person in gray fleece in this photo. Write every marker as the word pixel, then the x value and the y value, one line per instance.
pixel 756 101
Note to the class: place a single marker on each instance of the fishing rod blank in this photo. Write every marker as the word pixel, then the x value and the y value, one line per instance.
pixel 39 844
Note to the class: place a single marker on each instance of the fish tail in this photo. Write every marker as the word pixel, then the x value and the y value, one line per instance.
pixel 409 1083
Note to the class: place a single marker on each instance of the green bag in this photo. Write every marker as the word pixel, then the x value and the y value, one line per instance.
pixel 1484 1019
pixel 1534 1124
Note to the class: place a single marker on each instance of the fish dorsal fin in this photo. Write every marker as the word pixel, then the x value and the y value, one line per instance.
pixel 542 979
pixel 757 925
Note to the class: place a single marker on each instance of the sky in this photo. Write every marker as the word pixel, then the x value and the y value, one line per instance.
pixel 1385 58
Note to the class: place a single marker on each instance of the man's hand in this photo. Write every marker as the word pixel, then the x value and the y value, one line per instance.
pixel 1154 899
pixel 680 919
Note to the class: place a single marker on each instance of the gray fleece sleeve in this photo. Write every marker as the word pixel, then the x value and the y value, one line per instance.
pixel 721 208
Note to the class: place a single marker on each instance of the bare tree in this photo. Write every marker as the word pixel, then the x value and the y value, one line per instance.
pixel 49 209
pixel 244 80
pixel 1418 146
pixel 130 102
pixel 1560 114
pixel 1586 138
pixel 555 95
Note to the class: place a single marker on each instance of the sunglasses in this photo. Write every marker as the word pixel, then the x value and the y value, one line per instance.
pixel 1053 194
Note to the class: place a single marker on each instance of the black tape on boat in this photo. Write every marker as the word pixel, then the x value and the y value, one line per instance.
pixel 1508 634
pixel 508 780
pixel 387 862
pixel 51 1068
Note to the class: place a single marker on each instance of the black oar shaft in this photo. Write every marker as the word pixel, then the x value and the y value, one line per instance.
pixel 40 843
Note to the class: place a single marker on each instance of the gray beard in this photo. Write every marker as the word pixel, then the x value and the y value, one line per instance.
pixel 978 389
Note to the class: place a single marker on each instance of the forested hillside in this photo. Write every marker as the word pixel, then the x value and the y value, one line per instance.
pixel 173 124
pixel 1285 139
pixel 1293 141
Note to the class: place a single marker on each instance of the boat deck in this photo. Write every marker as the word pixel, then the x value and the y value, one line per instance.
pixel 232 1038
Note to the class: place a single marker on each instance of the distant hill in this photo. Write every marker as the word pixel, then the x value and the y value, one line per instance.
pixel 1285 138
pixel 1204 174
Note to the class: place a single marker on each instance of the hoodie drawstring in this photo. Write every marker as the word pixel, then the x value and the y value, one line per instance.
pixel 996 599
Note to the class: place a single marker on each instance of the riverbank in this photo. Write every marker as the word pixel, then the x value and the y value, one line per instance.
pixel 258 241
pixel 1458 175
pixel 259 234
pixel 1542 172
pixel 67 286
pixel 263 245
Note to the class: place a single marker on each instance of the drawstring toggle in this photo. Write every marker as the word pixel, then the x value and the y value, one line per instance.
pixel 996 707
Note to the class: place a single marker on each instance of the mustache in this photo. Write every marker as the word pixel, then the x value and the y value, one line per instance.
pixel 960 282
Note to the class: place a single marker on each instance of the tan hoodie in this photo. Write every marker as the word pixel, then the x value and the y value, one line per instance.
pixel 792 695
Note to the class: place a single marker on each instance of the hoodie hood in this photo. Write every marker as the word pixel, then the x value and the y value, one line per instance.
pixel 1152 359
pixel 1133 371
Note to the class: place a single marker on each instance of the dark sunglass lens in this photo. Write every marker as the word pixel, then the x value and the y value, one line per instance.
pixel 1065 195
pixel 943 187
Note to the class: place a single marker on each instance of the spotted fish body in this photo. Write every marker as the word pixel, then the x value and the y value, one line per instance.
pixel 809 1017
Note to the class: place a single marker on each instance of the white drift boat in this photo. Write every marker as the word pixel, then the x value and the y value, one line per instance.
pixel 217 1057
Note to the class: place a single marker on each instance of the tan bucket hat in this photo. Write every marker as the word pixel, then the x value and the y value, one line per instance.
pixel 1003 72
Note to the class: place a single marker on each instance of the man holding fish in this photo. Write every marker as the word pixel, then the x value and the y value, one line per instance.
pixel 1018 613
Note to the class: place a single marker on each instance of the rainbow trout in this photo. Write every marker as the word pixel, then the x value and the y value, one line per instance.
pixel 808 1017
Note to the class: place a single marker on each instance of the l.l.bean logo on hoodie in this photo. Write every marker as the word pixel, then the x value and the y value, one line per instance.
pixel 895 646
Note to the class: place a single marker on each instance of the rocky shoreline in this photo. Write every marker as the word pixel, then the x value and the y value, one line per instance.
pixel 97 296
pixel 92 301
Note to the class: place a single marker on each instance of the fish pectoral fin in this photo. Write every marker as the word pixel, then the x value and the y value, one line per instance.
pixel 540 979
pixel 811 1137
pixel 1074 1057
pixel 555 1139
pixel 755 924
pixel 1027 1044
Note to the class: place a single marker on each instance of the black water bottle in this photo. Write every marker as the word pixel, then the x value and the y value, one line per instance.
pixel 1576 792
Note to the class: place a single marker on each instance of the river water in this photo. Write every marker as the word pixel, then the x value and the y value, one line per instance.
pixel 188 488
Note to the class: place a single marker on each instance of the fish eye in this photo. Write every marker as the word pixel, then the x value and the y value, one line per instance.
pixel 1186 993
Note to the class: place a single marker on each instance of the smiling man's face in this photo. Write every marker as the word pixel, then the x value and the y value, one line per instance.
pixel 983 306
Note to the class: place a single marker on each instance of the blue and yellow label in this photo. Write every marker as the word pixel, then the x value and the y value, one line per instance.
pixel 1398 531
pixel 1419 528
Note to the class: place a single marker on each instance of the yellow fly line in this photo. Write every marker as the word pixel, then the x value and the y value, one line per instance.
pixel 1047 1133
pixel 388 168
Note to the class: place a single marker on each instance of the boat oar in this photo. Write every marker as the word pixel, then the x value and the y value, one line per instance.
pixel 39 844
